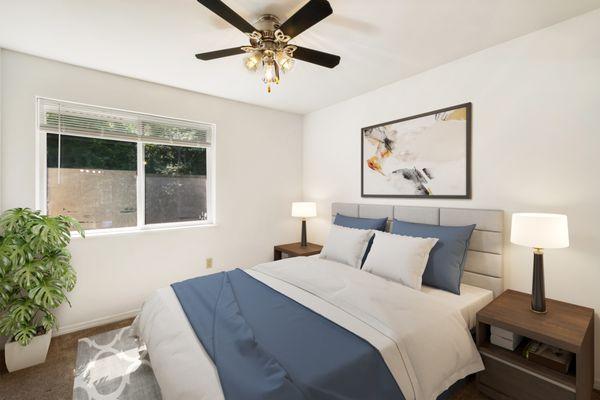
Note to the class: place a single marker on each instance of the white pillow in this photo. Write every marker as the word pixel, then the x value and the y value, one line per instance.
pixel 399 258
pixel 346 245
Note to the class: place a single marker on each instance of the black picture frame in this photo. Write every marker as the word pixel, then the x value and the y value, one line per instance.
pixel 468 193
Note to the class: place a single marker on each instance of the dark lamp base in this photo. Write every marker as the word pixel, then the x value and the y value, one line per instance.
pixel 303 241
pixel 538 293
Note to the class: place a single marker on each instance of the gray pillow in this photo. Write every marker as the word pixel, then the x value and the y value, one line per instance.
pixel 447 258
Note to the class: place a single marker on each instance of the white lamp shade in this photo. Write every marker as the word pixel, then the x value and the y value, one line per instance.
pixel 304 209
pixel 543 231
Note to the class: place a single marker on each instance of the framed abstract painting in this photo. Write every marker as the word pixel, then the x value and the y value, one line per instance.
pixel 423 156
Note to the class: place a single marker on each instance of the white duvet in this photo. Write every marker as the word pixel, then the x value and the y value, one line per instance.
pixel 425 344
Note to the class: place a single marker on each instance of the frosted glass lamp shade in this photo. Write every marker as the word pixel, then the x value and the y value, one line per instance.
pixel 541 231
pixel 304 209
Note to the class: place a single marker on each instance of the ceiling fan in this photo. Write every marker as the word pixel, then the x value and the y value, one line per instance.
pixel 269 47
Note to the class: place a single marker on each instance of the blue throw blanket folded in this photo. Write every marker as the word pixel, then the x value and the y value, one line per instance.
pixel 267 346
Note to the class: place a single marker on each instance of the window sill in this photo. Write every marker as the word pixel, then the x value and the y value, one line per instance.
pixel 146 229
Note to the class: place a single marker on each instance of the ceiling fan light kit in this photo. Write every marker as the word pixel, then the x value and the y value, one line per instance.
pixel 269 50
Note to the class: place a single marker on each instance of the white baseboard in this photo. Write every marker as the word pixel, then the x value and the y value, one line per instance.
pixel 86 325
pixel 63 330
pixel 597 384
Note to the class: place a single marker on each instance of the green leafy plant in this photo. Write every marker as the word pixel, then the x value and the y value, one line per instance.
pixel 35 271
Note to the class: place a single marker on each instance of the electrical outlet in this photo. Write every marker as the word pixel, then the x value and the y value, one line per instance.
pixel 209 262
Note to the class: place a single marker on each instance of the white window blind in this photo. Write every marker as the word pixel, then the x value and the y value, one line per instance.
pixel 116 170
pixel 71 118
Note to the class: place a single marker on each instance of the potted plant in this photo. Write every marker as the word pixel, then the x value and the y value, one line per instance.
pixel 35 275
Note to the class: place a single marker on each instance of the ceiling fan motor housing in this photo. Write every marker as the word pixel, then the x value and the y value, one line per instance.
pixel 267 22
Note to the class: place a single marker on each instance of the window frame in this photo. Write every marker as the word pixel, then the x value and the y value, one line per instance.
pixel 41 174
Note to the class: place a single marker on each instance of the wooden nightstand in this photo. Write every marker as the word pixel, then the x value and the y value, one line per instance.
pixel 509 375
pixel 295 250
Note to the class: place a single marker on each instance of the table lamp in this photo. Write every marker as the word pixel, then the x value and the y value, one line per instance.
pixel 304 210
pixel 539 231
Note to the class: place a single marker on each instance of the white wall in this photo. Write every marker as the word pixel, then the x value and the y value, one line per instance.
pixel 2 339
pixel 536 145
pixel 1 78
pixel 258 176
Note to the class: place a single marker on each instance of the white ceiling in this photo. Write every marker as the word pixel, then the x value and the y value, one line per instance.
pixel 380 41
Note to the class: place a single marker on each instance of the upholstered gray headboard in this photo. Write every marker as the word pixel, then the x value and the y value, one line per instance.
pixel 483 266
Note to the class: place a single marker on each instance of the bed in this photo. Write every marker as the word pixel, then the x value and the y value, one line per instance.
pixel 422 336
pixel 470 300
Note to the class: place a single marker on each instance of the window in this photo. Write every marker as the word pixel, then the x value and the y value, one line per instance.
pixel 94 182
pixel 175 183
pixel 115 170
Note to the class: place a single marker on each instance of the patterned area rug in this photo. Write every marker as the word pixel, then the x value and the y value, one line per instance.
pixel 114 366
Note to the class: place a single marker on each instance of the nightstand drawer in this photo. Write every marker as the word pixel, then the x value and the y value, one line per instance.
pixel 501 380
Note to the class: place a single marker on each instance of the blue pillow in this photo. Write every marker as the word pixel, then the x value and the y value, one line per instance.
pixel 377 224
pixel 447 258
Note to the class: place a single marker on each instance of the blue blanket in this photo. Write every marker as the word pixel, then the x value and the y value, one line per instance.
pixel 267 346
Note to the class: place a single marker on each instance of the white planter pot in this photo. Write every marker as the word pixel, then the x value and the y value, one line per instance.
pixel 19 357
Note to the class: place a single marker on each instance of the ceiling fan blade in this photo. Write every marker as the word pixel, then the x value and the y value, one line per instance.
pixel 221 9
pixel 211 55
pixel 309 15
pixel 316 57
